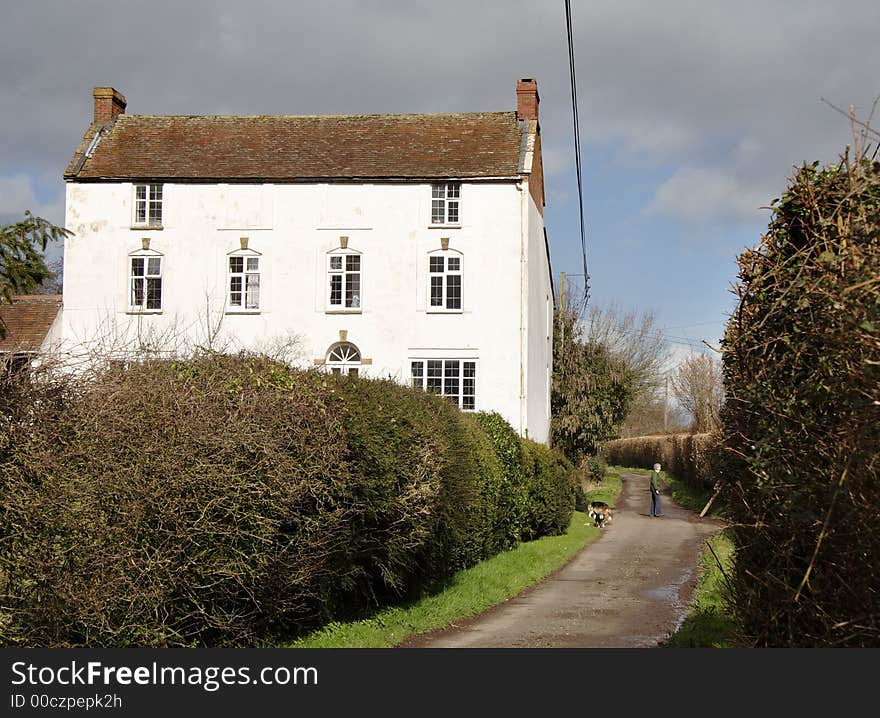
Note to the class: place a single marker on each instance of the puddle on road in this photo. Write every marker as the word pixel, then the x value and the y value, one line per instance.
pixel 670 594
pixel 666 594
pixel 671 591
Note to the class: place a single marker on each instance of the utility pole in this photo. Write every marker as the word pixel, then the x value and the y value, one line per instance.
pixel 562 305
pixel 666 408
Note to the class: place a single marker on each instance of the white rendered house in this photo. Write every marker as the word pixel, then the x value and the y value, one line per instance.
pixel 410 246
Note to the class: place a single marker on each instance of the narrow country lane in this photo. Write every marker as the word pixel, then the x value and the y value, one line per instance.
pixel 630 588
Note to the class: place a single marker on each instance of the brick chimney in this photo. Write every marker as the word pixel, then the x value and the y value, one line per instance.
pixel 527 99
pixel 108 104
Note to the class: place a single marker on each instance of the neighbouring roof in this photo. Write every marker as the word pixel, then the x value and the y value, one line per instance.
pixel 287 148
pixel 27 321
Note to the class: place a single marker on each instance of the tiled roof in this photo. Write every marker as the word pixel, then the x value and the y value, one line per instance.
pixel 463 145
pixel 27 321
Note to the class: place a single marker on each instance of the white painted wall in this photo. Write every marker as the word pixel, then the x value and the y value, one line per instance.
pixel 292 226
pixel 52 340
pixel 539 358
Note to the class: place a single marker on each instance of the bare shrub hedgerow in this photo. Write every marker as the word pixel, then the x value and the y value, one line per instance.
pixel 693 458
pixel 233 501
pixel 173 503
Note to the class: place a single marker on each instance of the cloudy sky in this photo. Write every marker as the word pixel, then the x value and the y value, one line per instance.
pixel 692 113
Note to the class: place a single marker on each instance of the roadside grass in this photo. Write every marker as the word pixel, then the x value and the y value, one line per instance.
pixel 629 470
pixel 709 623
pixel 608 490
pixel 470 592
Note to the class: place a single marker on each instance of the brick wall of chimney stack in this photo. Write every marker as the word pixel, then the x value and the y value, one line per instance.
pixel 108 104
pixel 527 99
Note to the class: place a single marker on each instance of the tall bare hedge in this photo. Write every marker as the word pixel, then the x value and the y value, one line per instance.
pixel 691 457
pixel 232 501
pixel 802 420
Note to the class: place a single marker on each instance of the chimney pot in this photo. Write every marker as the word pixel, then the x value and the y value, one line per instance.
pixel 527 99
pixel 109 103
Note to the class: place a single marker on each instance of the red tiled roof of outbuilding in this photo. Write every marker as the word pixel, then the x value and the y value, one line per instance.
pixel 27 321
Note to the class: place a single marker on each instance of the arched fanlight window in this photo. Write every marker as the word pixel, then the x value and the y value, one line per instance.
pixel 344 358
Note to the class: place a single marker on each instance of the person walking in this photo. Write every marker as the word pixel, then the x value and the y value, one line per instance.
pixel 655 491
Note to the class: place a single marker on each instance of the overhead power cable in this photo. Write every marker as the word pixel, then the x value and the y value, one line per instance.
pixel 577 148
pixel 698 324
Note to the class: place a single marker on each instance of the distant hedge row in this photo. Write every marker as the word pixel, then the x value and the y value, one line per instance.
pixel 233 501
pixel 691 457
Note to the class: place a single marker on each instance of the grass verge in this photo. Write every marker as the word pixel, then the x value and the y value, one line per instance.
pixel 690 497
pixel 608 490
pixel 709 623
pixel 470 592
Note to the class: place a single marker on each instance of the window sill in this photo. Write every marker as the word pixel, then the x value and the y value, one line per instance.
pixel 444 311
pixel 242 311
pixel 343 311
pixel 139 312
pixel 444 226
pixel 466 411
pixel 146 227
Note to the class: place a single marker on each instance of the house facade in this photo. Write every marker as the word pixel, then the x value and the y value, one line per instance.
pixel 409 246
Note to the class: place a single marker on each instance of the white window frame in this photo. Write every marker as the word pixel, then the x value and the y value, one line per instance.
pixel 445 200
pixel 145 256
pixel 342 273
pixel 343 358
pixel 445 299
pixel 247 256
pixel 447 383
pixel 153 199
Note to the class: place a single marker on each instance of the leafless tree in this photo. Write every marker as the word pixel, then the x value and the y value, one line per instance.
pixel 636 341
pixel 52 284
pixel 211 327
pixel 178 336
pixel 698 387
pixel 632 337
pixel 650 415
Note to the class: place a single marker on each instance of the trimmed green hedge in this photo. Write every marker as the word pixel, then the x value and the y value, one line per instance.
pixel 551 481
pixel 511 511
pixel 233 501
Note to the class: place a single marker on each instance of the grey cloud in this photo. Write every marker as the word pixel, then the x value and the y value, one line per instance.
pixel 694 85
pixel 705 195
